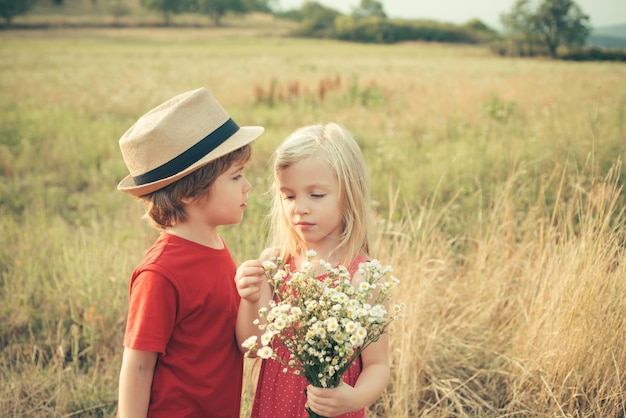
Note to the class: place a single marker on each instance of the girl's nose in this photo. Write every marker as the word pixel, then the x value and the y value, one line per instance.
pixel 301 207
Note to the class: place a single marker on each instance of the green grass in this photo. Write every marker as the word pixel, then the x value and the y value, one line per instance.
pixel 498 196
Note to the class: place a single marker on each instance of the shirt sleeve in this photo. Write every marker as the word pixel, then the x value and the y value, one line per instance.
pixel 152 310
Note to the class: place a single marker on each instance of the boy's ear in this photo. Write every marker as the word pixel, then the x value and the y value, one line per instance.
pixel 186 200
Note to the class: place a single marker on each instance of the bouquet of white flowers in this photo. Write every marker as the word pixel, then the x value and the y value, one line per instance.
pixel 325 323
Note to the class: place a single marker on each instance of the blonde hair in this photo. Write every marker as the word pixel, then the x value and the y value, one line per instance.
pixel 334 145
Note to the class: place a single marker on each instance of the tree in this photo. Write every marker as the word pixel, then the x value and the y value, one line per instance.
pixel 317 20
pixel 480 30
pixel 265 6
pixel 517 27
pixel 369 8
pixel 555 23
pixel 11 8
pixel 217 9
pixel 561 22
pixel 167 7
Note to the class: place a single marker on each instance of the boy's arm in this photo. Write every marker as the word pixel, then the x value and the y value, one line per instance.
pixel 135 382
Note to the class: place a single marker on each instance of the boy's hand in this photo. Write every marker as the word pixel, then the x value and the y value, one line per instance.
pixel 250 278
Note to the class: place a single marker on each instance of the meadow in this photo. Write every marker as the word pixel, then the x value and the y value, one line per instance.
pixel 498 199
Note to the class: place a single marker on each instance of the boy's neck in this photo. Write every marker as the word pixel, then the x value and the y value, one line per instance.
pixel 203 236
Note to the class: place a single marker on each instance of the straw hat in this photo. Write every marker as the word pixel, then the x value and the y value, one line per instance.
pixel 178 137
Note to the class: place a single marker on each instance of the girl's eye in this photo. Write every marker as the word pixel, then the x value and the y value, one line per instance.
pixel 288 197
pixel 317 196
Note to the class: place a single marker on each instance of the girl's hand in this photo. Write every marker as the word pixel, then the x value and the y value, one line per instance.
pixel 249 279
pixel 330 402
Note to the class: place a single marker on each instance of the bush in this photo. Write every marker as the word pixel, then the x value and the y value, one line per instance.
pixel 594 53
pixel 315 20
pixel 517 46
pixel 381 30
pixel 480 31
pixel 369 30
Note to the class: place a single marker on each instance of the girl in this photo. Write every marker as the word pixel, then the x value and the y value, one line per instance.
pixel 321 203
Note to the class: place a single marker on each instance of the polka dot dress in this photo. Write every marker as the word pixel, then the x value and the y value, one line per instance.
pixel 280 394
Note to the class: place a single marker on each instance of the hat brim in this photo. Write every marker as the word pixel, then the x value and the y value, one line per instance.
pixel 244 136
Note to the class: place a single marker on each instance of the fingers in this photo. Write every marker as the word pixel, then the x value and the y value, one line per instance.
pixel 329 402
pixel 252 264
pixel 249 279
pixel 250 282
pixel 249 268
pixel 318 393
pixel 316 399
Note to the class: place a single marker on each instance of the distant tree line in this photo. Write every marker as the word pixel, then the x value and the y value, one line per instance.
pixel 368 22
pixel 554 24
pixel 555 28
pixel 215 9
pixel 11 8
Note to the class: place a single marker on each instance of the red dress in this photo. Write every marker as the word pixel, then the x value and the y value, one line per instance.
pixel 281 395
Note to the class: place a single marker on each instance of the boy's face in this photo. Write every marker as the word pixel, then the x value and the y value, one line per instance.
pixel 226 200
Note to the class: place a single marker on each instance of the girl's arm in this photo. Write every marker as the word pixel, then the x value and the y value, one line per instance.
pixel 369 386
pixel 135 382
pixel 371 383
pixel 255 293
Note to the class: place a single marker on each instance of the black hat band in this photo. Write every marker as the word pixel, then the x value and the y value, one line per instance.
pixel 190 156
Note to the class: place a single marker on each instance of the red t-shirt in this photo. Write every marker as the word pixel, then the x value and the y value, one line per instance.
pixel 183 305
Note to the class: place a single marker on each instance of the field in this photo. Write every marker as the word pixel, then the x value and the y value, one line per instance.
pixel 497 182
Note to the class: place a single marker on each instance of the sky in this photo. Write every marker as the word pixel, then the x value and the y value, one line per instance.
pixel 601 12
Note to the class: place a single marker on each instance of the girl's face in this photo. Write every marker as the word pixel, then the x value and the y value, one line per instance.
pixel 311 203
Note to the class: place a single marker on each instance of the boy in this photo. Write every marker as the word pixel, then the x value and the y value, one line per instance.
pixel 181 359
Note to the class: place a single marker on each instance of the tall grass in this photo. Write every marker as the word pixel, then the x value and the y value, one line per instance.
pixel 527 321
pixel 498 189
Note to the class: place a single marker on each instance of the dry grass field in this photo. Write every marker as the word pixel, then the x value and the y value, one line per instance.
pixel 499 202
